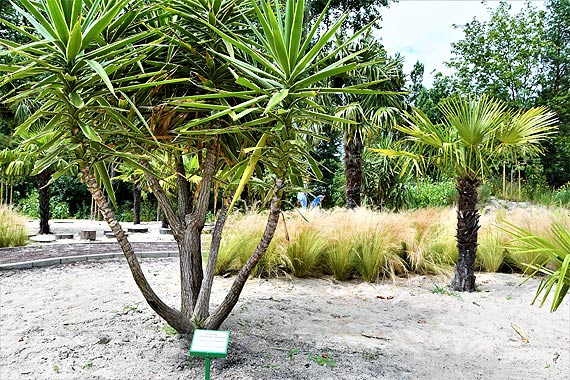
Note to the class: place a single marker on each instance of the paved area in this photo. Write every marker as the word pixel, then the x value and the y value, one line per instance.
pixel 46 247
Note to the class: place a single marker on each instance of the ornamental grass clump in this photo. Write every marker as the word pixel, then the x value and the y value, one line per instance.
pixel 12 229
pixel 535 221
pixel 491 252
pixel 429 244
pixel 305 251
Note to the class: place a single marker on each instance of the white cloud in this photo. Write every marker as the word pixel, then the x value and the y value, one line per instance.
pixel 423 30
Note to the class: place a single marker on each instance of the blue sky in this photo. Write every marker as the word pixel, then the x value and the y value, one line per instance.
pixel 423 29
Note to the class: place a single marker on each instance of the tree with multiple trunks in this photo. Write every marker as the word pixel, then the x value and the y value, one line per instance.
pixel 154 85
pixel 472 133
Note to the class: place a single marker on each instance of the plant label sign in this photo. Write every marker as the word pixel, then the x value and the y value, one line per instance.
pixel 210 343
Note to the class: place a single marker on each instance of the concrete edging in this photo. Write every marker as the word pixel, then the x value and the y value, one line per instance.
pixel 75 259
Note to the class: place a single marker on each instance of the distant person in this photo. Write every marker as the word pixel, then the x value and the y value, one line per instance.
pixel 317 201
pixel 302 198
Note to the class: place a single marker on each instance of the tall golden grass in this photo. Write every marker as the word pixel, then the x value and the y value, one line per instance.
pixel 374 245
pixel 12 228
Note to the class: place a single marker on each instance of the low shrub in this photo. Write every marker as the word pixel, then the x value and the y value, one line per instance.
pixel 12 229
pixel 426 193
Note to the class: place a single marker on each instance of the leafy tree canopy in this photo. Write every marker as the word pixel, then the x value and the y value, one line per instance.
pixel 501 57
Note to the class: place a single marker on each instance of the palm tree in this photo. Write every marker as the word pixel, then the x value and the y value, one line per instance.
pixel 473 132
pixel 548 250
pixel 370 114
pixel 77 62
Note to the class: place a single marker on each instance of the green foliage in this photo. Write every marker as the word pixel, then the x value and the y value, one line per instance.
pixel 429 245
pixel 491 252
pixel 376 255
pixel 550 251
pixel 501 57
pixel 438 289
pixel 323 360
pixel 169 330
pixel 305 251
pixel 29 206
pixel 427 193
pixel 340 258
pixel 12 229
pixel 562 195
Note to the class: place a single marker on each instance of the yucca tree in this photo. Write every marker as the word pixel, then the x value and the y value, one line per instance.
pixel 473 132
pixel 78 62
pixel 281 71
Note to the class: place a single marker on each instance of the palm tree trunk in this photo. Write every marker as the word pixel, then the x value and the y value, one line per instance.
pixel 224 309
pixel 353 170
pixel 136 204
pixel 172 316
pixel 467 230
pixel 44 196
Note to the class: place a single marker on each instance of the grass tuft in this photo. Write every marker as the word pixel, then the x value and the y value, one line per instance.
pixel 12 229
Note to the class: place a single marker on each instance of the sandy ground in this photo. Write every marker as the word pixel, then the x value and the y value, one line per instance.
pixel 88 321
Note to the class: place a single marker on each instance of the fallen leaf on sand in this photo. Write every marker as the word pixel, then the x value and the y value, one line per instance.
pixel 519 331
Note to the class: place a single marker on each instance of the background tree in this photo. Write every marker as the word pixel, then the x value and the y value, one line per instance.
pixel 555 91
pixel 369 114
pixel 472 133
pixel 361 12
pixel 501 57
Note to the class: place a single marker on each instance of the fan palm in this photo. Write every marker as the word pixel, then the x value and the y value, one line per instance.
pixel 473 132
pixel 370 114
pixel 557 250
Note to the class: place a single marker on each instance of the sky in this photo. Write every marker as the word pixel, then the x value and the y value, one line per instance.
pixel 423 29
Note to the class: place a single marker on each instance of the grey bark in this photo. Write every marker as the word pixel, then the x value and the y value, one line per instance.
pixel 223 310
pixel 172 316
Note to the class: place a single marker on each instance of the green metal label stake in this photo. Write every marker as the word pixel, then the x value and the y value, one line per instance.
pixel 209 344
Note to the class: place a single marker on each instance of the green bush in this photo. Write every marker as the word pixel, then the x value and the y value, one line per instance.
pixel 562 196
pixel 12 229
pixel 30 207
pixel 427 193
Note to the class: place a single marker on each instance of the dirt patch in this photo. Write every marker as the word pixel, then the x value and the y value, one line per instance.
pixel 88 321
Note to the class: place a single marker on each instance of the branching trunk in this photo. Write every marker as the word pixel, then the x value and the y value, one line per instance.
pixel 172 316
pixel 353 170
pixel 223 310
pixel 44 196
pixel 191 259
pixel 136 204
pixel 467 230
pixel 201 310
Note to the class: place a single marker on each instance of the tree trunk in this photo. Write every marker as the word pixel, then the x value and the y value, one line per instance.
pixel 191 260
pixel 136 204
pixel 172 316
pixel 467 230
pixel 224 309
pixel 44 196
pixel 201 310
pixel 353 170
